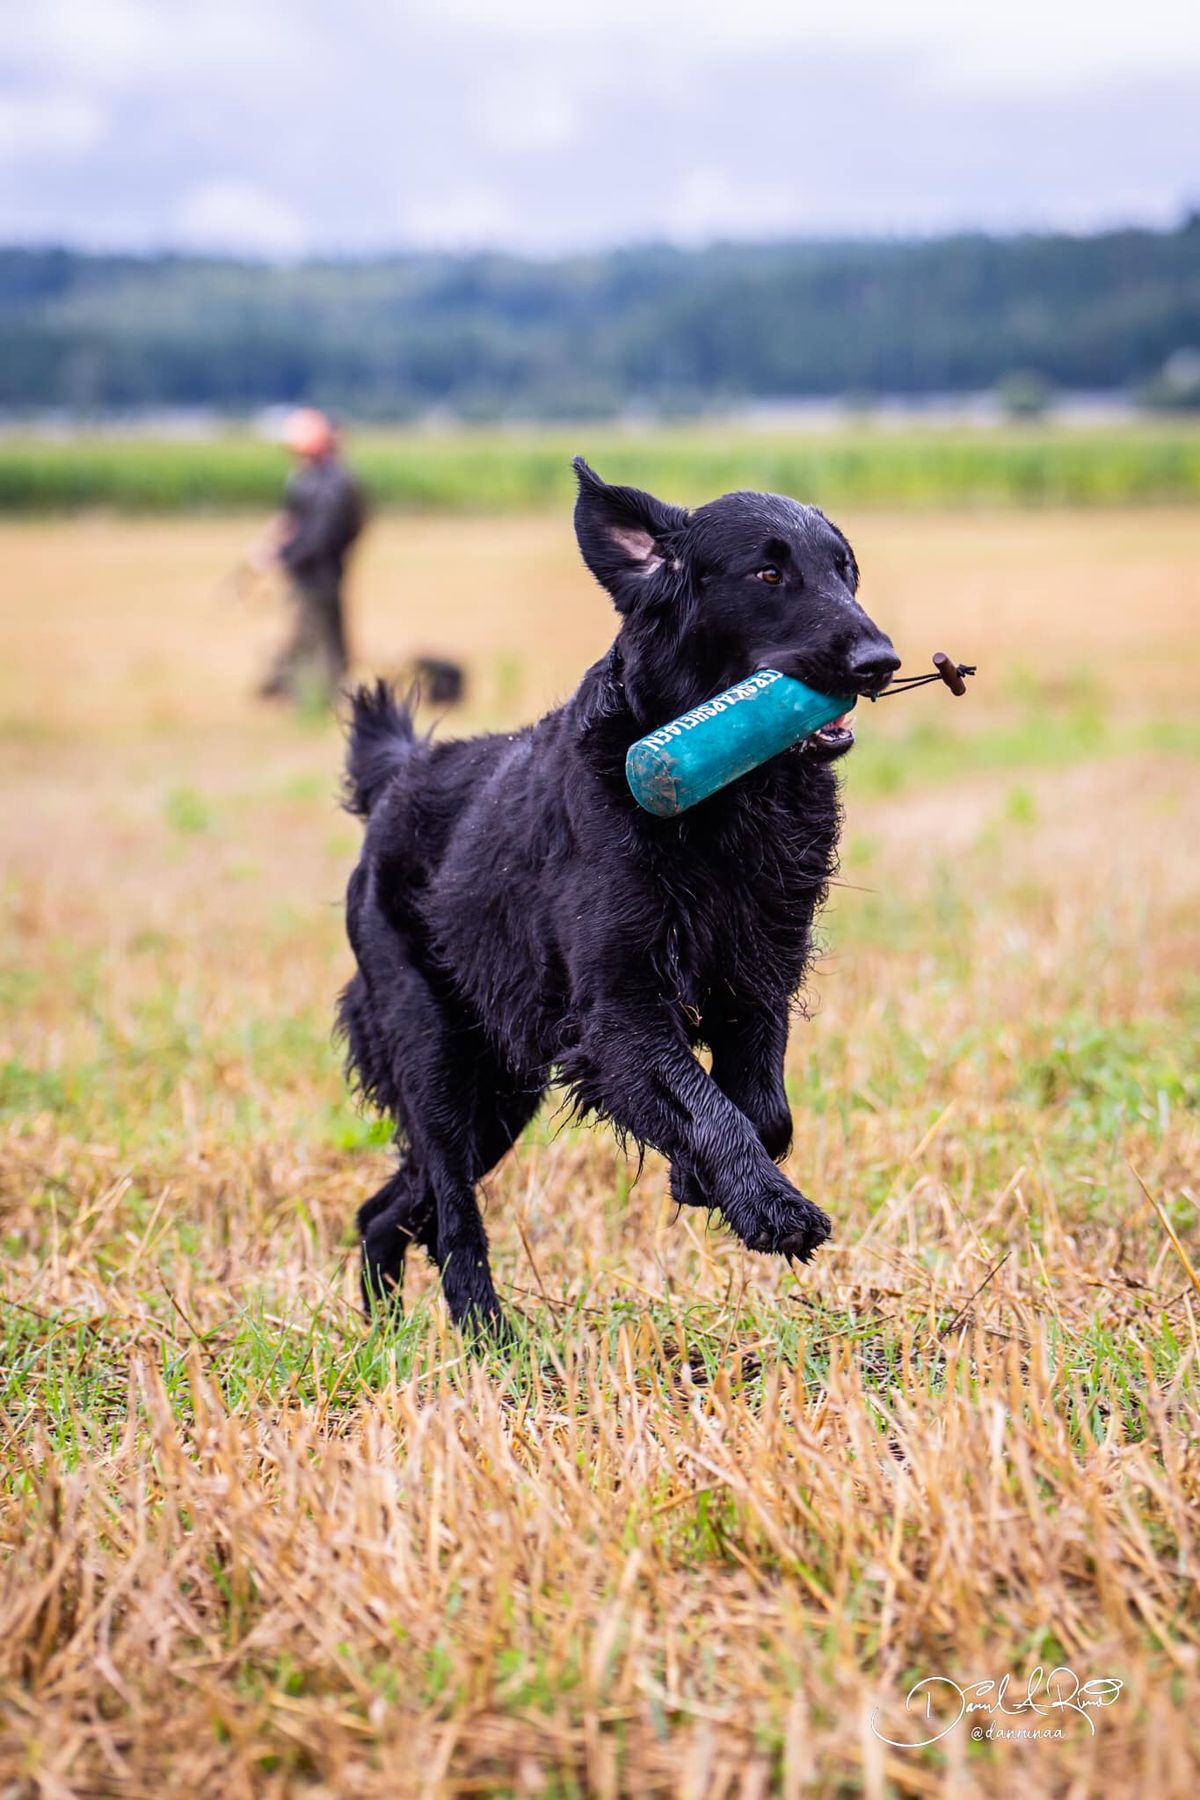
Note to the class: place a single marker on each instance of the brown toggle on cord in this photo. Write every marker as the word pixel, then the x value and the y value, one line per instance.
pixel 952 673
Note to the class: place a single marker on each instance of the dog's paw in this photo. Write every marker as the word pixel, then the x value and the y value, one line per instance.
pixel 807 1236
pixel 790 1226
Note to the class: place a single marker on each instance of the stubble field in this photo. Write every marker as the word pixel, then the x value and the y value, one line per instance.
pixel 707 1516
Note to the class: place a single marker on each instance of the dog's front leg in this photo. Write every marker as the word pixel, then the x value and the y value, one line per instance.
pixel 640 1071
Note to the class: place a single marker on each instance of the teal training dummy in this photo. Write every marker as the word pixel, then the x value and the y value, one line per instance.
pixel 684 762
pixel 693 756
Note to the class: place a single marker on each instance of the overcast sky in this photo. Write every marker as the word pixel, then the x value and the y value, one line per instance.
pixel 285 126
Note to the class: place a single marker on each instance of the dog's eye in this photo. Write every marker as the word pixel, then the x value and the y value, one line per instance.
pixel 771 575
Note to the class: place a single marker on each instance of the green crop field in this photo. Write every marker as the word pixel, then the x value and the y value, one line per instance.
pixel 699 1533
pixel 491 470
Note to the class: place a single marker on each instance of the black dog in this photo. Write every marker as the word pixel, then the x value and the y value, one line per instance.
pixel 514 913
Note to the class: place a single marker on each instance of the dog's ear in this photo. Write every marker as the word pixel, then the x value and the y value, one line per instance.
pixel 627 538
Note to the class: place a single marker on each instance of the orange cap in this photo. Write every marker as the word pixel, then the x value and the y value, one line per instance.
pixel 308 432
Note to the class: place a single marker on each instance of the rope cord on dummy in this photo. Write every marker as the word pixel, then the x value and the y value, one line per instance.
pixel 952 673
pixel 689 758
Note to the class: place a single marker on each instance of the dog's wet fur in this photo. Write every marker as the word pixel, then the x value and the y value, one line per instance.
pixel 516 917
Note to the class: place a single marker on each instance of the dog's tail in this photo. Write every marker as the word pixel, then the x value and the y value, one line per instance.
pixel 380 741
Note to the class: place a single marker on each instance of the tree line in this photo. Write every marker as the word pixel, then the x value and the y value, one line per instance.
pixel 658 328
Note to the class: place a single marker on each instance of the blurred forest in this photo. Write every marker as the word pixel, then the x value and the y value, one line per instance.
pixel 666 330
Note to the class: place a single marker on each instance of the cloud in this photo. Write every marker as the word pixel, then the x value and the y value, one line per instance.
pixel 1015 48
pixel 237 217
pixel 119 46
pixel 526 111
pixel 287 125
pixel 709 204
pixel 465 218
pixel 48 125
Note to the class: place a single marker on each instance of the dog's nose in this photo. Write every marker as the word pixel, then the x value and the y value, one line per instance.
pixel 872 666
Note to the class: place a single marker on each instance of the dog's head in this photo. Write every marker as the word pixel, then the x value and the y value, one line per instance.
pixel 750 581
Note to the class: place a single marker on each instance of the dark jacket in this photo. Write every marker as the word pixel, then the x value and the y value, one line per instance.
pixel 325 505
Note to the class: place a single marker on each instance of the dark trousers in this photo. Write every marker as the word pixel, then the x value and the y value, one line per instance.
pixel 315 651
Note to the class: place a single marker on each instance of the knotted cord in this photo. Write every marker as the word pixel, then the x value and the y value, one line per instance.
pixel 952 673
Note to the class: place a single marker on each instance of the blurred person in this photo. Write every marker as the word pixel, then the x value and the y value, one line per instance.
pixel 322 517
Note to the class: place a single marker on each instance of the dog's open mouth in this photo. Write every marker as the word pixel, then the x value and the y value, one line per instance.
pixel 831 740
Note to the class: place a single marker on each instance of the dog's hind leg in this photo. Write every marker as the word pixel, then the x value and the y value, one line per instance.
pixel 442 1211
pixel 462 1111
pixel 457 1105
pixel 402 1212
pixel 405 1210
pixel 501 1110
